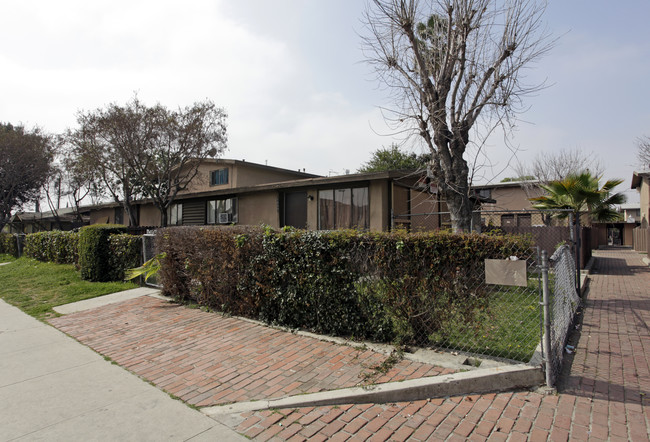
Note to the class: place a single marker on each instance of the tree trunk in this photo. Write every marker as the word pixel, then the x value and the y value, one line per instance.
pixel 451 173
pixel 460 208
pixel 130 213
pixel 163 217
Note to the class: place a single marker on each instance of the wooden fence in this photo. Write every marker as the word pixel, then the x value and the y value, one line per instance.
pixel 641 237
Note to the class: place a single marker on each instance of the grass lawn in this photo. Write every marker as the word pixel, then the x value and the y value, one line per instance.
pixel 508 328
pixel 35 287
pixel 6 258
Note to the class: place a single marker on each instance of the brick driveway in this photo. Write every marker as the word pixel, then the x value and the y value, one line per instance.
pixel 602 393
pixel 208 359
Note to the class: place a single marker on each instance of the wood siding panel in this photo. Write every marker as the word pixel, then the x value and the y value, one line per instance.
pixel 193 213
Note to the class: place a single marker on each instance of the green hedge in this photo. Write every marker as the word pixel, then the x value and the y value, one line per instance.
pixel 55 246
pixel 125 253
pixel 95 252
pixel 8 244
pixel 383 286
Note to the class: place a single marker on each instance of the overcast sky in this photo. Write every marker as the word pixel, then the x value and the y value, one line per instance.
pixel 291 76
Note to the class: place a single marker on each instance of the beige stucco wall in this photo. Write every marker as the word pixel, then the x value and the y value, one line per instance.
pixel 644 192
pixel 379 209
pixel 259 208
pixel 251 176
pixel 149 215
pixel 102 216
pixel 239 175
pixel 312 209
pixel 512 198
pixel 628 234
pixel 201 181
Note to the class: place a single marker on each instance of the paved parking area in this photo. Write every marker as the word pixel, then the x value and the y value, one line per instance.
pixel 208 359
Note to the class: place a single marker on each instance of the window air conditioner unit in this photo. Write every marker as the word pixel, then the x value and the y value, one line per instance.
pixel 225 218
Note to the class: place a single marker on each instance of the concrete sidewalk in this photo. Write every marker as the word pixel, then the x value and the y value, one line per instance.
pixel 53 388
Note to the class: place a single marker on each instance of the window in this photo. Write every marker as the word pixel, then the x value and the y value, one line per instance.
pixel 343 209
pixel 484 193
pixel 524 220
pixel 507 220
pixel 119 215
pixel 175 214
pixel 222 211
pixel 219 177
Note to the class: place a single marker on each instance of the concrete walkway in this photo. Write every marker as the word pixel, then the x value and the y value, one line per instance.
pixel 53 388
pixel 602 395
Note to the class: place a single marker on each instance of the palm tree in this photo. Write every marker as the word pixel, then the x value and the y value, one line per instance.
pixel 579 194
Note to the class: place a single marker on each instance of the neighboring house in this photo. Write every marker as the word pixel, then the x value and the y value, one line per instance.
pixel 31 222
pixel 364 201
pixel 641 182
pixel 630 212
pixel 239 192
pixel 220 179
pixel 512 205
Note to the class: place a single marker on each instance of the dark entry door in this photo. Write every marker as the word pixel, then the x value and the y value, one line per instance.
pixel 295 209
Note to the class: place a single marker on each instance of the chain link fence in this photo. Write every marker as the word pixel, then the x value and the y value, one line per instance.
pixel 510 324
pixel 149 252
pixel 563 303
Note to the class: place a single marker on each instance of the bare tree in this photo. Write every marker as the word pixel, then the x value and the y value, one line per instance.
pixel 82 180
pixel 643 154
pixel 555 166
pixel 184 138
pixel 549 167
pixel 143 151
pixel 102 140
pixel 453 66
pixel 25 158
pixel 71 181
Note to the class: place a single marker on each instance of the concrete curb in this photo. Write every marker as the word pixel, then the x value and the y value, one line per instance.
pixel 101 301
pixel 478 381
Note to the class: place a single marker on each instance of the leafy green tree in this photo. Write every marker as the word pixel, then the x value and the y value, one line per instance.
pixel 25 160
pixel 518 178
pixel 580 193
pixel 392 158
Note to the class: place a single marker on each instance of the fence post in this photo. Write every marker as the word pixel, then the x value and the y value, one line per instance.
pixel 547 320
pixel 541 304
pixel 20 243
pixel 579 252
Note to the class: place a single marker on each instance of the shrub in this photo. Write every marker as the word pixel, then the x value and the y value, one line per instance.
pixel 384 286
pixel 95 252
pixel 212 266
pixel 125 252
pixel 55 246
pixel 8 244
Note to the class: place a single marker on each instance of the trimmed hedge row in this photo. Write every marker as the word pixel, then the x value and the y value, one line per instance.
pixel 95 252
pixel 101 251
pixel 382 286
pixel 8 244
pixel 55 246
pixel 125 252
